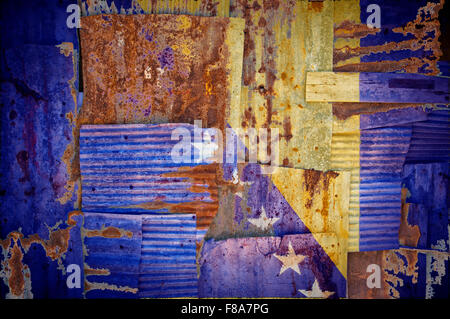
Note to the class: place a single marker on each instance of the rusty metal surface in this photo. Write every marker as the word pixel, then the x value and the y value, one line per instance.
pixel 283 40
pixel 112 254
pixel 404 273
pixel 129 169
pixel 159 68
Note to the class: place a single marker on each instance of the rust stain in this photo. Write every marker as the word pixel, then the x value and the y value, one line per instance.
pixel 184 59
pixel 107 232
pixel 88 271
pixel 425 29
pixel 395 265
pixel 55 248
pixel 104 286
pixel 409 235
pixel 314 183
pixel 16 278
pixel 350 30
pixel 316 6
pixel 343 111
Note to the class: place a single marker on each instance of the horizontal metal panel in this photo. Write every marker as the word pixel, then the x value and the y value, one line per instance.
pixel 430 141
pixel 293 266
pixel 168 265
pixel 130 169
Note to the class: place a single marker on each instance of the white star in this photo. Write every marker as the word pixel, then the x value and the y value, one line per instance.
pixel 291 260
pixel 315 291
pixel 263 221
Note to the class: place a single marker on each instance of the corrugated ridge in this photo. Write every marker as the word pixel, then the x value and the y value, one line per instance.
pixel 430 140
pixel 345 156
pixel 128 169
pixel 382 154
pixel 168 260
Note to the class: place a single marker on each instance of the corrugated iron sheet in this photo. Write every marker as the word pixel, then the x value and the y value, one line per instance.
pixel 430 141
pixel 168 265
pixel 404 273
pixel 288 266
pixel 129 169
pixel 112 254
pixel 382 154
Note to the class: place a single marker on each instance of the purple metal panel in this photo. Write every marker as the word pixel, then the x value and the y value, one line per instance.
pixel 292 266
pixel 403 88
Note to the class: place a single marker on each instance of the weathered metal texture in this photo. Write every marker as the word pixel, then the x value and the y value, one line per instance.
pixel 404 273
pixel 408 41
pixel 376 87
pixel 193 7
pixel 358 48
pixel 129 169
pixel 289 201
pixel 393 117
pixel 425 203
pixel 168 265
pixel 430 140
pixel 112 253
pixel 39 234
pixel 283 39
pixel 382 154
pixel 293 266
pixel 160 68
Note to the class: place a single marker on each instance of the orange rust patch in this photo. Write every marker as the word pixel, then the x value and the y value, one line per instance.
pixel 345 110
pixel 108 232
pixel 348 29
pixel 316 6
pixel 16 280
pixel 408 235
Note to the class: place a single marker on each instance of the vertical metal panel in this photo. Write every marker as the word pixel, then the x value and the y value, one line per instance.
pixel 255 267
pixel 168 265
pixel 36 205
pixel 112 244
pixel 382 154
pixel 425 218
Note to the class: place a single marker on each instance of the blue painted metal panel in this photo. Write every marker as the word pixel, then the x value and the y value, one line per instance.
pixel 112 255
pixel 382 154
pixel 168 265
pixel 428 188
pixel 124 166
